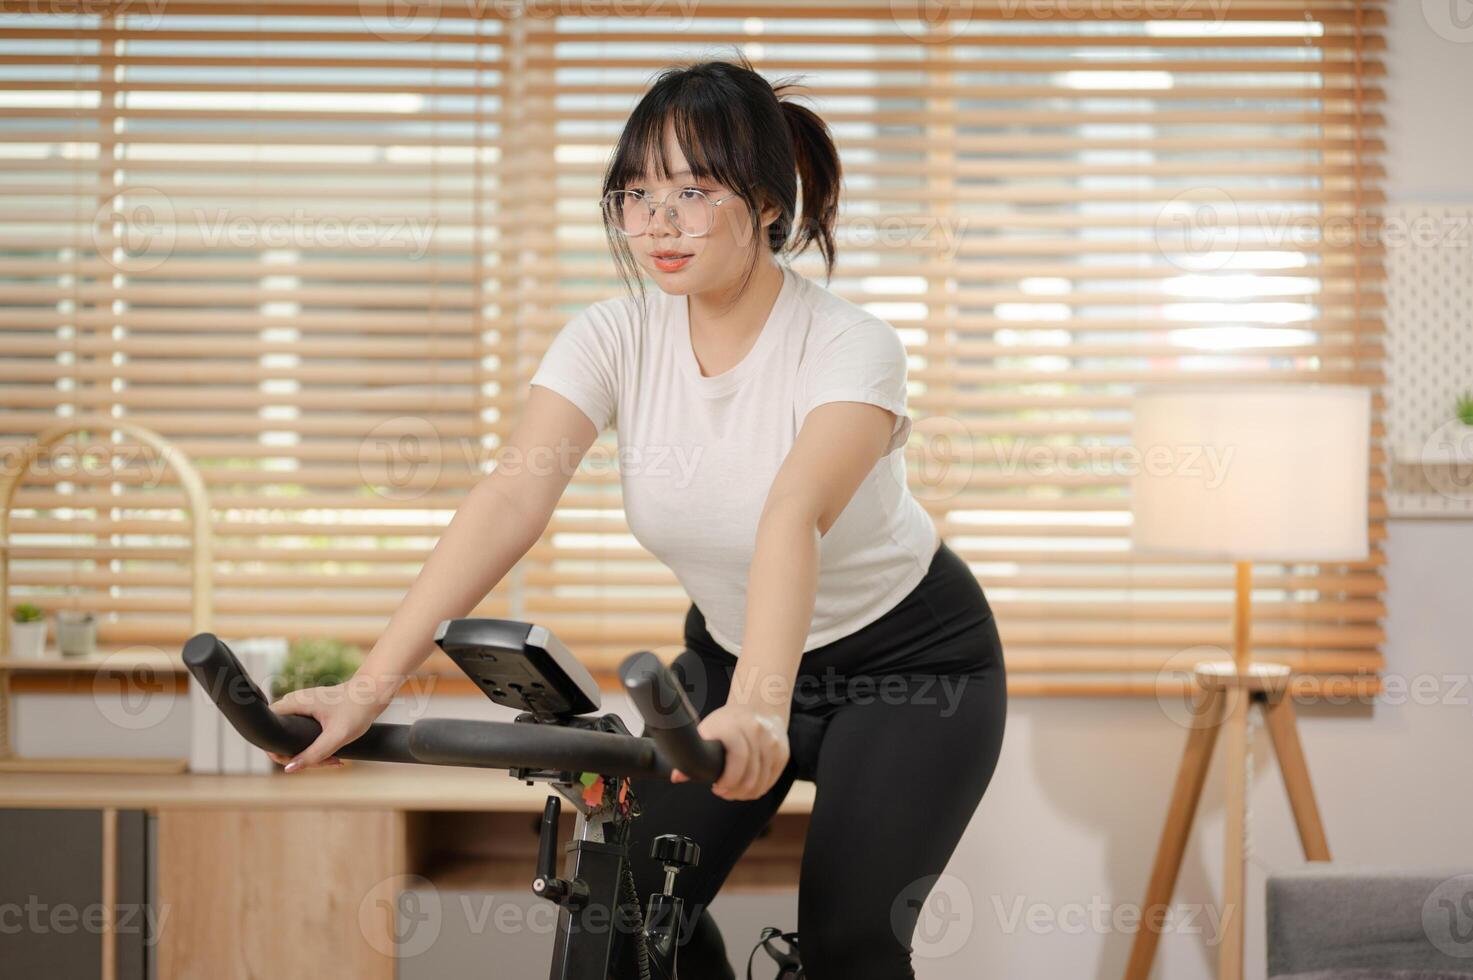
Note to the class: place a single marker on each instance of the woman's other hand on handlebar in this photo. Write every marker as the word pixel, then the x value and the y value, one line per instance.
pixel 756 743
pixel 343 710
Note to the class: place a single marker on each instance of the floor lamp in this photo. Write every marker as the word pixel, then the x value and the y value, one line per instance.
pixel 1275 473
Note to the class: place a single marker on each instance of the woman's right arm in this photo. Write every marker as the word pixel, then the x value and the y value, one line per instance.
pixel 501 517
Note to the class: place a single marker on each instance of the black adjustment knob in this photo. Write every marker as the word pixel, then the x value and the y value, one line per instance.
pixel 675 849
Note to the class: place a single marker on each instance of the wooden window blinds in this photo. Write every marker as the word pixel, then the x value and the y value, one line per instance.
pixel 321 247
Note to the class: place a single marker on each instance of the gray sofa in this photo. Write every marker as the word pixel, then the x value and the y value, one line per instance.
pixel 1334 922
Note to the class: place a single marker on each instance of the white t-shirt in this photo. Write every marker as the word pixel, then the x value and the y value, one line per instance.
pixel 698 454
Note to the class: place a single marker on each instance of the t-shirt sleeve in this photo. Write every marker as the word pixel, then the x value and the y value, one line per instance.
pixel 864 362
pixel 581 364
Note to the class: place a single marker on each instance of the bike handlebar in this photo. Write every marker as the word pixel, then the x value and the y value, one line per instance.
pixel 248 710
pixel 510 745
pixel 670 719
pixel 673 740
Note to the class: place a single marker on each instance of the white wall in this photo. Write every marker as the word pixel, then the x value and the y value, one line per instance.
pixel 1071 820
pixel 1429 132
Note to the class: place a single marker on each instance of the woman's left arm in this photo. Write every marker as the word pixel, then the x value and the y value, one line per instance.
pixel 837 446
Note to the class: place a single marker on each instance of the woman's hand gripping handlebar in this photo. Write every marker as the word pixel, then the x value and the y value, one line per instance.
pixel 249 712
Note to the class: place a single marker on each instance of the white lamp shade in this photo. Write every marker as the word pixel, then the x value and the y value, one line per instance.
pixel 1252 473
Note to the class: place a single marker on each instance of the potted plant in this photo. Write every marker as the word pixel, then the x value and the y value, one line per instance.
pixel 27 631
pixel 315 662
pixel 1465 409
pixel 76 633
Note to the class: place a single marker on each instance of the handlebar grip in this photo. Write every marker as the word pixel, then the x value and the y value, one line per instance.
pixel 669 718
pixel 527 745
pixel 243 704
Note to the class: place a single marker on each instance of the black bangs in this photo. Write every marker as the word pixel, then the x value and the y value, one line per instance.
pixel 707 135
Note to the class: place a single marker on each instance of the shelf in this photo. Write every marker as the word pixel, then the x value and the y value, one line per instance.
pixel 97 765
pixel 103 662
pixel 497 852
pixel 1407 454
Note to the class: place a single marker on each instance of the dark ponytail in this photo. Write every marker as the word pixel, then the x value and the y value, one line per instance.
pixel 736 128
pixel 821 174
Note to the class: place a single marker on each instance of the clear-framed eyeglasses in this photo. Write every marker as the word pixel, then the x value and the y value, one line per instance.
pixel 692 212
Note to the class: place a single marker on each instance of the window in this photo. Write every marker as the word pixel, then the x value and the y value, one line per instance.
pixel 322 255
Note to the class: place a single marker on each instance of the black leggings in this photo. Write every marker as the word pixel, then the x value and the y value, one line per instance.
pixel 915 704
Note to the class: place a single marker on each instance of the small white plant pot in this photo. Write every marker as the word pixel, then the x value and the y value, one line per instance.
pixel 76 633
pixel 28 640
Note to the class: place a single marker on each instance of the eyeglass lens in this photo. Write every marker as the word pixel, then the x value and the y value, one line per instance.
pixel 629 211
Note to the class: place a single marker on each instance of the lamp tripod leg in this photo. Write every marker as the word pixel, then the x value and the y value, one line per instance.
pixel 1179 816
pixel 1284 730
pixel 1234 806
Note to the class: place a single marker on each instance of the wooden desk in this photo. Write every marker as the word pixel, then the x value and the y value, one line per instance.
pixel 297 875
pixel 358 785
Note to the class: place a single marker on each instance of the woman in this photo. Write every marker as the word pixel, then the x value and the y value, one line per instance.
pixel 760 418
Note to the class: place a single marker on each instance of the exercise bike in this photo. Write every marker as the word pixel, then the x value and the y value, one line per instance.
pixel 558 739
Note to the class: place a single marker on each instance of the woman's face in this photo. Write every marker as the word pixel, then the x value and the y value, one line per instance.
pixel 681 264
